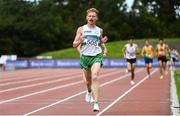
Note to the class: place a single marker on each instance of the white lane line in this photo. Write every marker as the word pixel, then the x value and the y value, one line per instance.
pixel 75 95
pixel 45 83
pixel 40 77
pixel 39 84
pixel 39 73
pixel 39 92
pixel 35 79
pixel 51 89
pixel 120 97
pixel 16 76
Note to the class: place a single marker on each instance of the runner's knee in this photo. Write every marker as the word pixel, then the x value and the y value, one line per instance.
pixel 88 82
pixel 94 76
pixel 150 66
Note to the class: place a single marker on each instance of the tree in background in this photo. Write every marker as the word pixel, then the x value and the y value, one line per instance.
pixel 31 27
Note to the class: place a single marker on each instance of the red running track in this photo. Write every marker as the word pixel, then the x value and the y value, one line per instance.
pixel 62 91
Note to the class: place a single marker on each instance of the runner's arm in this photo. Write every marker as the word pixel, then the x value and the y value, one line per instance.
pixel 167 50
pixel 138 52
pixel 78 38
pixel 156 50
pixel 78 48
pixel 124 51
pixel 103 39
pixel 142 51
pixel 153 52
pixel 177 54
pixel 104 49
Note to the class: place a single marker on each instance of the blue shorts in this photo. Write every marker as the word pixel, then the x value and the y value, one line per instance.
pixel 148 60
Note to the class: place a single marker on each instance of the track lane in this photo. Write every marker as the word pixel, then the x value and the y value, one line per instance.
pixel 152 97
pixel 108 93
pixel 33 88
pixel 32 74
pixel 63 104
pixel 28 100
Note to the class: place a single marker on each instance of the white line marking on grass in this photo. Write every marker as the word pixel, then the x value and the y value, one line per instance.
pixel 120 97
pixel 75 95
pixel 51 89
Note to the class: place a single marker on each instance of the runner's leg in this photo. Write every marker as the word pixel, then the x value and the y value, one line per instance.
pixel 132 71
pixel 147 68
pixel 160 69
pixel 129 66
pixel 87 78
pixel 95 84
pixel 167 67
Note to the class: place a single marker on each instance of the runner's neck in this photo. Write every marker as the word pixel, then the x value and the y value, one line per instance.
pixel 91 26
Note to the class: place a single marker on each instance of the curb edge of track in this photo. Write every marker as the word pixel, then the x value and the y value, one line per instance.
pixel 175 108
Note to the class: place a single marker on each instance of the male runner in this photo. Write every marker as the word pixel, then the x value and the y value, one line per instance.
pixel 162 50
pixel 148 53
pixel 129 51
pixel 89 38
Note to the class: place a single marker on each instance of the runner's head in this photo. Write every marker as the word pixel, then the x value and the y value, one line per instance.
pixel 161 41
pixel 92 16
pixel 131 38
pixel 147 43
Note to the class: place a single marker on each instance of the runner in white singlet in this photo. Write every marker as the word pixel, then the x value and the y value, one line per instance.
pixel 90 42
pixel 129 51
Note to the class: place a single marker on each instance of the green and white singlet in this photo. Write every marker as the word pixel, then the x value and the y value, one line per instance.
pixel 91 44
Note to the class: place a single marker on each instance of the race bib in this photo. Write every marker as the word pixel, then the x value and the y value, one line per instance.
pixel 91 42
pixel 131 54
pixel 147 55
pixel 161 53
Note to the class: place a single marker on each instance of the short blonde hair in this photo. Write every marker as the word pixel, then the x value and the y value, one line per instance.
pixel 92 10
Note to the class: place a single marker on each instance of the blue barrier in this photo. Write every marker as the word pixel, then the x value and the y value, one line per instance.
pixel 62 63
pixel 67 63
pixel 41 63
pixel 21 64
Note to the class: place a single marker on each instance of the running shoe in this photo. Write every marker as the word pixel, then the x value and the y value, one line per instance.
pixel 96 107
pixel 126 71
pixel 161 77
pixel 89 97
pixel 132 82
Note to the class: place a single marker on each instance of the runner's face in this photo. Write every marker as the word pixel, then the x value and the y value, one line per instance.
pixel 91 18
pixel 147 43
pixel 131 41
pixel 161 42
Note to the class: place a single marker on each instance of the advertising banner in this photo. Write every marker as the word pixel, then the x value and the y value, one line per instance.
pixel 65 63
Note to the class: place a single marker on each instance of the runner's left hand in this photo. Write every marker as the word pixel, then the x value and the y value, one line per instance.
pixel 104 39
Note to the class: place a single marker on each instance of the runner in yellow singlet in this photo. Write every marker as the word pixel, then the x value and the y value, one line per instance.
pixel 162 50
pixel 148 53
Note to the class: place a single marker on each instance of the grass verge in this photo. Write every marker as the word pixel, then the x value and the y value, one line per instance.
pixel 177 81
pixel 114 48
